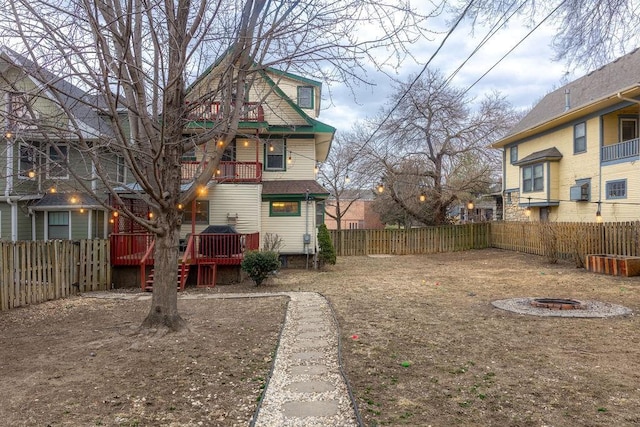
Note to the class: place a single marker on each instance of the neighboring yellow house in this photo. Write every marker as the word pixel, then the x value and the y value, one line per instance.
pixel 574 156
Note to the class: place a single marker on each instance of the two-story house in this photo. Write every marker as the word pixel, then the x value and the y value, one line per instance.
pixel 574 156
pixel 46 182
pixel 265 183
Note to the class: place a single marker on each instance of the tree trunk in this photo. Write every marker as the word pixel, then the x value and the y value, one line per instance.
pixel 163 314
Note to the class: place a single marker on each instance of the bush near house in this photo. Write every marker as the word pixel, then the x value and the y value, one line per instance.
pixel 260 264
pixel 327 253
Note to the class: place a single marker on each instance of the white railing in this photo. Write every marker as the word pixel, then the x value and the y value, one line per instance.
pixel 621 150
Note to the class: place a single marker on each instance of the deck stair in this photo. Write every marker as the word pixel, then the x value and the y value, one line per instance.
pixel 183 274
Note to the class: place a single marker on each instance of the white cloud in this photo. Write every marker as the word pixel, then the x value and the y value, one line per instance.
pixel 524 76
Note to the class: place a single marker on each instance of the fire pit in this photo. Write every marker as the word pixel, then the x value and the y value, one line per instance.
pixel 560 307
pixel 557 304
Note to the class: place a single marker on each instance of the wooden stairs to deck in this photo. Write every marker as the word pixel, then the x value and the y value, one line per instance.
pixel 206 276
pixel 183 274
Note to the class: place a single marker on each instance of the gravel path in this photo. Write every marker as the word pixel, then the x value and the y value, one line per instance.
pixel 306 387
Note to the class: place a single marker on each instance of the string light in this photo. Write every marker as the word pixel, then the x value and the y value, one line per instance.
pixel 380 188
pixel 598 214
pixel 316 168
pixel 422 197
pixel 31 174
pixel 289 159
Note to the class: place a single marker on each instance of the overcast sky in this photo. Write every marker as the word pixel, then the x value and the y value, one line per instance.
pixel 524 76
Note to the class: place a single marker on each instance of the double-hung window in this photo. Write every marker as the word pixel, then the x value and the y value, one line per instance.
pixel 580 137
pixel 57 165
pixel 274 155
pixel 628 128
pixel 121 170
pixel 533 178
pixel 513 153
pixel 58 223
pixel 27 167
pixel 305 97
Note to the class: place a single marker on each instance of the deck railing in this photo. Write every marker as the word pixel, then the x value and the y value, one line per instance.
pixel 621 150
pixel 211 111
pixel 223 249
pixel 231 172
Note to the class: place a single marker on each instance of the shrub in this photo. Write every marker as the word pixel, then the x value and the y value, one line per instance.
pixel 259 264
pixel 272 242
pixel 327 251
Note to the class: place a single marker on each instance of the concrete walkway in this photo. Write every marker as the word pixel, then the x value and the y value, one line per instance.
pixel 306 387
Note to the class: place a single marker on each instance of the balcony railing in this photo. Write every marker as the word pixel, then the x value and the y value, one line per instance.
pixel 621 150
pixel 227 172
pixel 212 111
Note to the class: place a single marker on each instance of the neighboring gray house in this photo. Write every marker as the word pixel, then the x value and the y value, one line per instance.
pixel 40 198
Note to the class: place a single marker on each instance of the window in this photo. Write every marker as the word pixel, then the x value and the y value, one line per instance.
pixel 284 208
pixel 533 178
pixel 319 213
pixel 27 167
pixel 305 97
pixel 229 154
pixel 628 128
pixel 57 161
pixel 274 155
pixel 21 116
pixel 580 138
pixel 617 189
pixel 58 225
pixel 202 212
pixel 120 170
pixel 513 152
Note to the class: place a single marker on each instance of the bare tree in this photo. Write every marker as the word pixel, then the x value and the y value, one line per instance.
pixel 341 173
pixel 135 61
pixel 433 146
pixel 589 32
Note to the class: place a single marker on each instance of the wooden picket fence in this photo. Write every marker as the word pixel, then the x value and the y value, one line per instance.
pixel 36 271
pixel 564 240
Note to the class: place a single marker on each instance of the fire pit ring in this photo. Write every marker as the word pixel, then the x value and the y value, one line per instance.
pixel 587 308
pixel 557 304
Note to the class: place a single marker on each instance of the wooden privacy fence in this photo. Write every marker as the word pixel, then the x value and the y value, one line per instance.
pixel 426 240
pixel 562 240
pixel 567 240
pixel 36 271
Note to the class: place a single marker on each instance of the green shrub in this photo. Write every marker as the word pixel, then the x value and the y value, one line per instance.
pixel 327 253
pixel 259 264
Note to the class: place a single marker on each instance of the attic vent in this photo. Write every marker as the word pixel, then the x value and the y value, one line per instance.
pixel 580 193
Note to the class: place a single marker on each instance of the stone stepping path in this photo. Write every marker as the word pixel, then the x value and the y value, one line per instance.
pixel 306 387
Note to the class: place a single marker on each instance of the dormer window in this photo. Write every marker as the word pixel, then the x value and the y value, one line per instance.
pixel 305 97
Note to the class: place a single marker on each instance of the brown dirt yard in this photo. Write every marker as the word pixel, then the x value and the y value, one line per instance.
pixel 421 344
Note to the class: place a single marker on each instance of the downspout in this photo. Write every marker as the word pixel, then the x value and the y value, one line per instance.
pixel 306 238
pixel 9 188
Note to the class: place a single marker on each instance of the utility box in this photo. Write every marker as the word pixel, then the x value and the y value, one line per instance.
pixel 306 238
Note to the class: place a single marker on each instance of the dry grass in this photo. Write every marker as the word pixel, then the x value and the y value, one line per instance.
pixel 422 345
pixel 470 364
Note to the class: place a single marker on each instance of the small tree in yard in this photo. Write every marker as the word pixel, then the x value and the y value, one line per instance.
pixel 260 264
pixel 327 253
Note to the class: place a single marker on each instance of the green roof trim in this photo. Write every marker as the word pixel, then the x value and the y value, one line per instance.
pixel 293 197
pixel 294 77
pixel 317 125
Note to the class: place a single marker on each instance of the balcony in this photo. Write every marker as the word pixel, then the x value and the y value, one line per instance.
pixel 623 150
pixel 212 111
pixel 228 172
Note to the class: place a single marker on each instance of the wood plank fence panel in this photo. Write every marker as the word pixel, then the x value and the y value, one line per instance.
pixel 36 271
pixel 562 240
